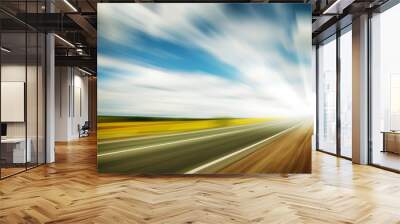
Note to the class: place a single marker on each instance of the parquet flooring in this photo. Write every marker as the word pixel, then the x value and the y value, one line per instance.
pixel 71 191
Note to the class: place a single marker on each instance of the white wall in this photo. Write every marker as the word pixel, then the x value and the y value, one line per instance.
pixel 15 72
pixel 71 102
pixel 62 81
pixel 80 109
pixel 34 126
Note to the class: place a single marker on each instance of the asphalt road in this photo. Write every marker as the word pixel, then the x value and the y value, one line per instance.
pixel 189 152
pixel 289 152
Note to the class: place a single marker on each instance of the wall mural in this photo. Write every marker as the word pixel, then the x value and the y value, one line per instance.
pixel 204 88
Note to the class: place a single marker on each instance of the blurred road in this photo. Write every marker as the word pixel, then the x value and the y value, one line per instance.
pixel 203 151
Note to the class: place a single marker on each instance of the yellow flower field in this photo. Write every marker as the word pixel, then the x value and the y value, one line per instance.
pixel 120 130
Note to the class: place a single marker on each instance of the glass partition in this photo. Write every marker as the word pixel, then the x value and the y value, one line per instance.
pixel 14 153
pixel 22 77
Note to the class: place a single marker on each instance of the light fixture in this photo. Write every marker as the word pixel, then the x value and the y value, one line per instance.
pixel 5 50
pixel 337 7
pixel 64 40
pixel 79 51
pixel 70 5
pixel 84 71
pixel 327 11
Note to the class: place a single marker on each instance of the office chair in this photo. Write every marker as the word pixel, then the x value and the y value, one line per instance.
pixel 84 130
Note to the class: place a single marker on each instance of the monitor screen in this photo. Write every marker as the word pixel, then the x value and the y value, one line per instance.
pixel 3 129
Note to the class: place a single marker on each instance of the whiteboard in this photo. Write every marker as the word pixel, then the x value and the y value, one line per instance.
pixel 12 101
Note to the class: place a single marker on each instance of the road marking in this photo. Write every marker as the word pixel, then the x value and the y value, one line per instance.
pixel 182 133
pixel 195 170
pixel 179 141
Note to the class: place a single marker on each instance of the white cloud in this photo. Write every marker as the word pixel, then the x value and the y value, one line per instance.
pixel 158 92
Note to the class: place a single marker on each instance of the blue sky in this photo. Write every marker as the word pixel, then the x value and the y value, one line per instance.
pixel 204 60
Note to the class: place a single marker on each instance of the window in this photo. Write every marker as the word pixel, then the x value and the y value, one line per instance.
pixel 385 89
pixel 327 96
pixel 314 73
pixel 346 93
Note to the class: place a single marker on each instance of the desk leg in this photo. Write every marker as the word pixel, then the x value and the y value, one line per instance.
pixel 384 142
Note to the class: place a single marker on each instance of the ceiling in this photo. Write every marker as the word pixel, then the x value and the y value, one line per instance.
pixel 75 22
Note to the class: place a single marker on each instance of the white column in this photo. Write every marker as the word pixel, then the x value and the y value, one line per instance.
pixel 50 92
pixel 360 89
pixel 50 99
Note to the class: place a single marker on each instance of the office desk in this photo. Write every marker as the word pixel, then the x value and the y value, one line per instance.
pixel 391 141
pixel 13 150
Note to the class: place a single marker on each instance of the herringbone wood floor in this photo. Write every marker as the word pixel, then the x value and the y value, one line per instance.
pixel 71 191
